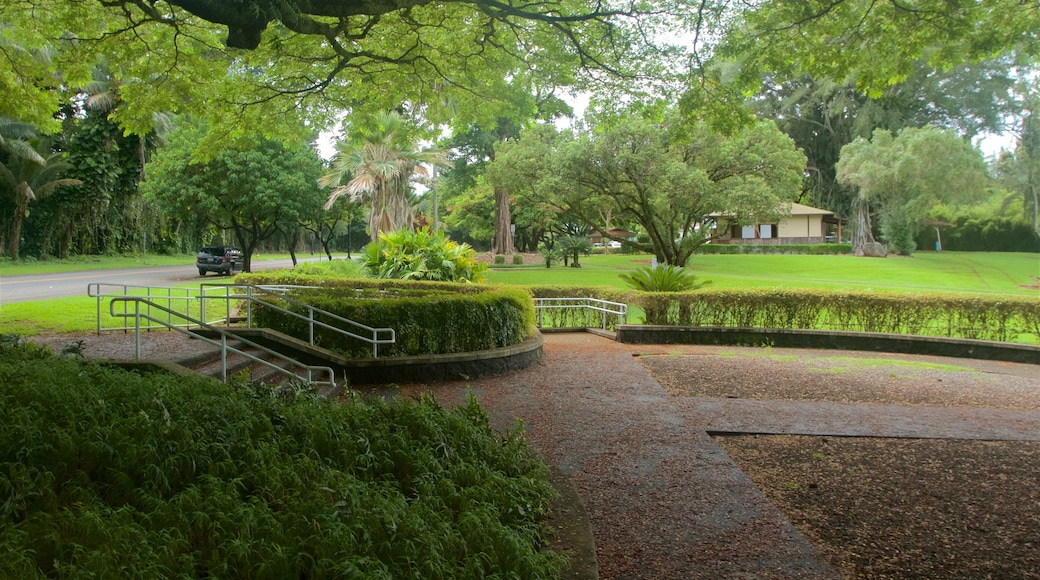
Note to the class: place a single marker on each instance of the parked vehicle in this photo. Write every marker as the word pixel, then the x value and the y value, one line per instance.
pixel 220 259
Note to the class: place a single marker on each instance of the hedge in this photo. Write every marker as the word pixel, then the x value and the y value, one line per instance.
pixel 814 249
pixel 463 322
pixel 106 473
pixel 999 318
pixel 576 317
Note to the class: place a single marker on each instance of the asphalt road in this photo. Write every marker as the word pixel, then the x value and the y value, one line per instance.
pixel 45 286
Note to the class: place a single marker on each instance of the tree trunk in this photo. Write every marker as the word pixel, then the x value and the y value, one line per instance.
pixel 863 242
pixel 503 236
pixel 21 205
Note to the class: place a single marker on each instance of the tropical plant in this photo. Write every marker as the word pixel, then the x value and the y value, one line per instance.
pixel 378 165
pixel 112 473
pixel 549 254
pixel 571 246
pixel 422 255
pixel 29 170
pixel 663 278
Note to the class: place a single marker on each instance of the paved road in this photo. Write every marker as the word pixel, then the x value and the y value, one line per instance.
pixel 44 286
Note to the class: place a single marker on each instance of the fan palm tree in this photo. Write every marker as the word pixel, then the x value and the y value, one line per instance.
pixel 379 166
pixel 29 170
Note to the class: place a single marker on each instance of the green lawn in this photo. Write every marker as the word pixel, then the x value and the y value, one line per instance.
pixel 83 263
pixel 963 272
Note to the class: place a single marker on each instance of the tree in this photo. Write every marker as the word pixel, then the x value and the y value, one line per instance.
pixel 674 179
pixel 249 192
pixel 906 176
pixel 822 116
pixel 245 59
pixel 29 170
pixel 325 224
pixel 379 165
pixel 527 171
pixel 876 43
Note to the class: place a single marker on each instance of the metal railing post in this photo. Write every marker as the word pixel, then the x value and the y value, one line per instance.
pixel 223 356
pixel 202 303
pixel 137 330
pixel 310 324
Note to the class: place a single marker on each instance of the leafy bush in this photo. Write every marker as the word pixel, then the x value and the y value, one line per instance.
pixel 518 259
pixel 577 317
pixel 333 269
pixel 500 259
pixel 464 322
pixel 811 249
pixel 978 317
pixel 110 474
pixel 422 255
pixel 664 278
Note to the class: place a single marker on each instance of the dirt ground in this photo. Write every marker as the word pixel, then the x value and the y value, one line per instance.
pixel 877 507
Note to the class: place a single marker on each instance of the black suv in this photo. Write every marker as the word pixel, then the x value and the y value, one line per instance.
pixel 222 259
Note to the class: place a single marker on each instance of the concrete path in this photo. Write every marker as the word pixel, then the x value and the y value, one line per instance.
pixel 663 499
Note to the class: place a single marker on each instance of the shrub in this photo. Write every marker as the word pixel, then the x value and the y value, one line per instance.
pixel 978 317
pixel 664 278
pixel 464 322
pixel 332 269
pixel 500 259
pixel 108 473
pixel 812 249
pixel 518 259
pixel 422 255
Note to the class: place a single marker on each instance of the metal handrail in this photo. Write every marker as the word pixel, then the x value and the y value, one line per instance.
pixel 389 335
pixel 224 347
pixel 102 290
pixel 604 307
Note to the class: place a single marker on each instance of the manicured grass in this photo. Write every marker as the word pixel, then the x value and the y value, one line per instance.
pixel 82 263
pixel 962 272
pixel 75 314
pixel 959 272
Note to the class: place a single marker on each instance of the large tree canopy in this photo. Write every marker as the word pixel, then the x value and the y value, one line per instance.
pixel 251 192
pixel 242 61
pixel 671 178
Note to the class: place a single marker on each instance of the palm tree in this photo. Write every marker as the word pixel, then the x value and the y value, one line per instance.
pixel 29 170
pixel 379 165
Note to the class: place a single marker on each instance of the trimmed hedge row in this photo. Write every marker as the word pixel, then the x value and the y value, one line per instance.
pixel 813 249
pixel 977 317
pixel 576 317
pixel 426 321
pixel 106 473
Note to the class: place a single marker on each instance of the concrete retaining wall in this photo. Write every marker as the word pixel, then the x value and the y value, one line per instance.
pixel 821 339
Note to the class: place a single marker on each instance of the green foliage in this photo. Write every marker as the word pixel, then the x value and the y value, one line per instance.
pixel 518 259
pixel 378 165
pixel 254 191
pixel 809 249
pixel 500 259
pixel 675 177
pixel 960 316
pixel 906 176
pixel 108 473
pixel 664 278
pixel 330 269
pixel 577 317
pixel 422 255
pixel 465 321
pixel 996 226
